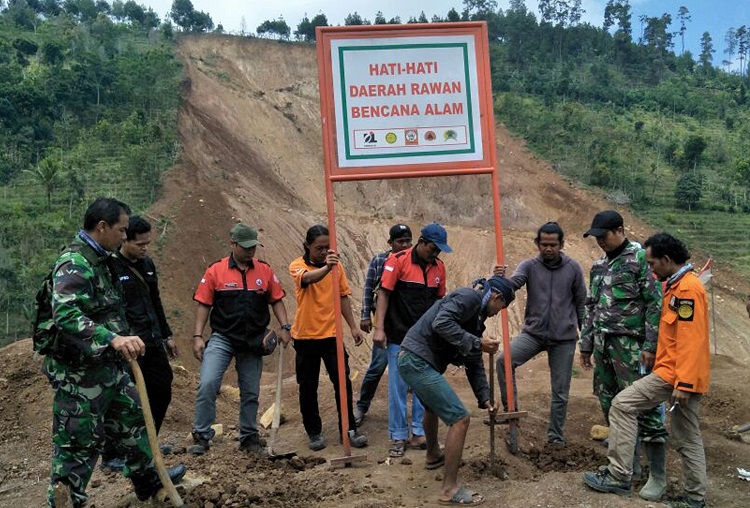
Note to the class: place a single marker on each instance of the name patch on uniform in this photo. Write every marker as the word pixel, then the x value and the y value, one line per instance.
pixel 389 268
pixel 230 285
pixel 686 309
pixel 673 303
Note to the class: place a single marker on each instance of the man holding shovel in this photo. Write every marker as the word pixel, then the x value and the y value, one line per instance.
pixel 450 332
pixel 236 292
pixel 95 398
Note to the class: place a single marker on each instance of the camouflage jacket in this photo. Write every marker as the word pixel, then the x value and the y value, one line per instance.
pixel 87 303
pixel 624 298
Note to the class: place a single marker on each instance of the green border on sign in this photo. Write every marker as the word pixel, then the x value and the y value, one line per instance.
pixel 463 45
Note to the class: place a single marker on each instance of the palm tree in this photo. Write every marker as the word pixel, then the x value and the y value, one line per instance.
pixel 47 173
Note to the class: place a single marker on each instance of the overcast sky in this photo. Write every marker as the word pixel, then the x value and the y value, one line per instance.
pixel 714 16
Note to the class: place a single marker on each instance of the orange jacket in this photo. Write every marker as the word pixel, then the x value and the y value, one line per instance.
pixel 682 355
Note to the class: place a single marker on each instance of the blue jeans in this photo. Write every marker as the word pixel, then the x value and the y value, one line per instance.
pixel 398 427
pixel 370 382
pixel 216 357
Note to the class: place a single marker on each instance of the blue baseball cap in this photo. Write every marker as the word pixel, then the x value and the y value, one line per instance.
pixel 436 234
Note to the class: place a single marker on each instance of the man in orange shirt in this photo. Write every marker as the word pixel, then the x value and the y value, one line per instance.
pixel 314 333
pixel 681 376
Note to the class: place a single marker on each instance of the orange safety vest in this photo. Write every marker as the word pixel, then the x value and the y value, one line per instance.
pixel 683 358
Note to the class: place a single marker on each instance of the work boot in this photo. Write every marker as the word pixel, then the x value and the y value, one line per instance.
pixel 317 442
pixel 656 486
pixel 201 445
pixel 604 481
pixel 686 502
pixel 359 416
pixel 148 484
pixel 356 439
pixel 251 445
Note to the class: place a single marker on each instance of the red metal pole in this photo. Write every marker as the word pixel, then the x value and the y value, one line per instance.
pixel 343 395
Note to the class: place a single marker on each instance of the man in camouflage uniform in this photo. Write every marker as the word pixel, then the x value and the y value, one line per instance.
pixel 95 399
pixel 623 309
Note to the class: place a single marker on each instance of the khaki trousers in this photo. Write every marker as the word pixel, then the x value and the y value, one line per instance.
pixel 645 394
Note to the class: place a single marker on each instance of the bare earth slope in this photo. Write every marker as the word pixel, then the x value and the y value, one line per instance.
pixel 249 125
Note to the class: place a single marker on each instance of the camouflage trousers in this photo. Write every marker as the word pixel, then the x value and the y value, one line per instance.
pixel 93 405
pixel 616 359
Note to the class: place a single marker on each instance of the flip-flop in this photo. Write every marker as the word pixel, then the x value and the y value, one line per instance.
pixel 418 445
pixel 463 497
pixel 435 464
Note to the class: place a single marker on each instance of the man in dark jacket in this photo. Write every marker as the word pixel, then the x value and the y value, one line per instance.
pixel 450 332
pixel 145 313
pixel 555 306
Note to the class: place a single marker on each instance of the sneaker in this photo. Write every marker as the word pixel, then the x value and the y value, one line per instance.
pixel 359 416
pixel 115 464
pixel 357 439
pixel 317 442
pixel 201 445
pixel 604 481
pixel 686 502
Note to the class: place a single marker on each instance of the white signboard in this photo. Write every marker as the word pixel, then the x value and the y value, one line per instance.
pixel 404 101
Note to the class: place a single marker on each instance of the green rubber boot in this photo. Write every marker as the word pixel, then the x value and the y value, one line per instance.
pixel 656 486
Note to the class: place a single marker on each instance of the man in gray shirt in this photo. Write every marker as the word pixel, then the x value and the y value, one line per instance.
pixel 555 306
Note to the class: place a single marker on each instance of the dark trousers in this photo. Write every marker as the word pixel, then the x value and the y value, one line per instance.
pixel 157 373
pixel 309 354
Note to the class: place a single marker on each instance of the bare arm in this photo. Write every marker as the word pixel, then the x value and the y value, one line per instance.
pixel 381 308
pixel 279 310
pixel 201 318
pixel 346 311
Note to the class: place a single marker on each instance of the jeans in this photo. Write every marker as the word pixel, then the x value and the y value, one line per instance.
pixel 398 427
pixel 216 357
pixel 560 358
pixel 310 352
pixel 370 382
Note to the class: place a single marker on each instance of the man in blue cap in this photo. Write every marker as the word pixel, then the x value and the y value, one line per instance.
pixel 450 332
pixel 412 281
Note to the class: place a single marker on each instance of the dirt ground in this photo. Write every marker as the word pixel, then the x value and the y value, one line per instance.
pixel 249 126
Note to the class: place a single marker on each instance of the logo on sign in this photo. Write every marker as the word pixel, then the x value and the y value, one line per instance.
pixel 370 138
pixel 411 137
pixel 390 138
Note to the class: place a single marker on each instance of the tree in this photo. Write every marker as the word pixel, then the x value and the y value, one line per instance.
pixel 683 14
pixel 182 13
pixel 707 51
pixel 380 19
pixel 453 16
pixel 355 20
pixel 689 190
pixel 47 173
pixel 277 28
pixel 305 31
pixel 693 151
pixel 730 39
pixel 743 43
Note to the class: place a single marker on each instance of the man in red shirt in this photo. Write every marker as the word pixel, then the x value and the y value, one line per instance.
pixel 681 376
pixel 412 281
pixel 236 292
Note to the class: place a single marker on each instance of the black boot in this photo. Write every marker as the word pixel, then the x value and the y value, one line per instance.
pixel 148 484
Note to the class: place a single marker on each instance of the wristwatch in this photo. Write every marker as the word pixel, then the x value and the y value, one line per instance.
pixel 286 327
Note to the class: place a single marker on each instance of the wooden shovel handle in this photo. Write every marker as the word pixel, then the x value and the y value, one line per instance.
pixel 153 440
